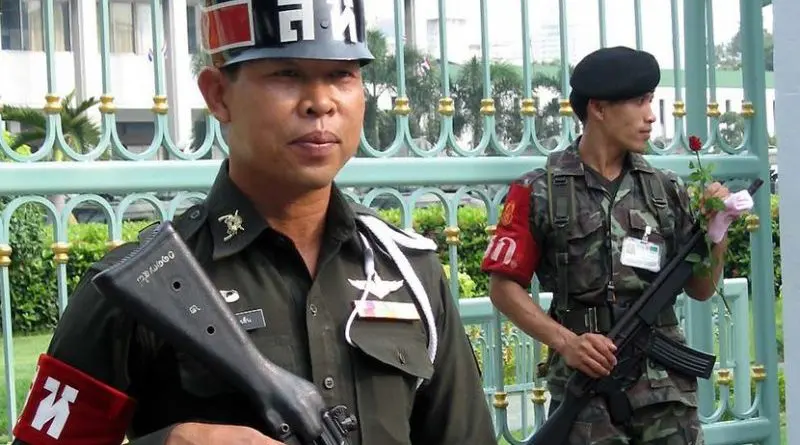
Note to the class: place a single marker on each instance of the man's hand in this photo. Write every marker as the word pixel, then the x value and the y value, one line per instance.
pixel 209 434
pixel 713 190
pixel 592 354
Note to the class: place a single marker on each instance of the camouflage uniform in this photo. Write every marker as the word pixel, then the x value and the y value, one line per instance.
pixel 664 402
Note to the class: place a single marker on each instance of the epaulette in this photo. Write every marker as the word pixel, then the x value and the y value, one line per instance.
pixel 186 224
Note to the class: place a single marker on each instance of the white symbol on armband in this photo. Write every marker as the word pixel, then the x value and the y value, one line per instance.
pixel 54 409
pixel 496 247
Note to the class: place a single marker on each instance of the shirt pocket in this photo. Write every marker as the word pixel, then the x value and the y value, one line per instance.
pixel 638 223
pixel 586 250
pixel 392 356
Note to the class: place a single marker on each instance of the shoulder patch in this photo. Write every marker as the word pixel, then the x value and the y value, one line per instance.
pixel 190 221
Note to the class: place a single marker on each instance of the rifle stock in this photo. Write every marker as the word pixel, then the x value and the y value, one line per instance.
pixel 164 287
pixel 636 339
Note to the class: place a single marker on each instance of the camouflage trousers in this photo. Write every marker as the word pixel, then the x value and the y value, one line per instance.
pixel 668 423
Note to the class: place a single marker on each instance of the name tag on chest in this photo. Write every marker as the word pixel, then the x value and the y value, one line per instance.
pixel 641 254
pixel 251 320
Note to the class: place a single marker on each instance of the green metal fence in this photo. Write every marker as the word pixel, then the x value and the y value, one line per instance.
pixel 456 133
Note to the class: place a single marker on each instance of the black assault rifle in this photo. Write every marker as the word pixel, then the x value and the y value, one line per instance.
pixel 165 288
pixel 636 340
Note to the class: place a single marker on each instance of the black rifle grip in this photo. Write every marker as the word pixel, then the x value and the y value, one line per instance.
pixel 164 287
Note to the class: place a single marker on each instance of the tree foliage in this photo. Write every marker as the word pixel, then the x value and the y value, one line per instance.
pixel 423 87
pixel 729 54
pixel 81 133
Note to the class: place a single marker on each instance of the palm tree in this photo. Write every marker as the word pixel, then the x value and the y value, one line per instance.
pixel 80 132
pixel 506 81
pixel 422 88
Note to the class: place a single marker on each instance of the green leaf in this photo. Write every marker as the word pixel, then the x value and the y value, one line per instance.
pixel 691 165
pixel 696 175
pixel 693 258
pixel 715 204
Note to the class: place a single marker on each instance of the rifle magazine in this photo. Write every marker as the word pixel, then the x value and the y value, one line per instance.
pixel 680 357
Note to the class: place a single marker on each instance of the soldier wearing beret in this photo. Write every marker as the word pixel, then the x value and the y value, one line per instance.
pixel 568 223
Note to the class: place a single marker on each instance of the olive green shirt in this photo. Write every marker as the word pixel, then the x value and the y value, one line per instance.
pixel 261 273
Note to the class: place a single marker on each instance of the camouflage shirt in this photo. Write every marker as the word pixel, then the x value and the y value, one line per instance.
pixel 604 214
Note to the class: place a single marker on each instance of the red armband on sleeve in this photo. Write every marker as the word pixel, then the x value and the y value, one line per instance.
pixel 512 251
pixel 68 407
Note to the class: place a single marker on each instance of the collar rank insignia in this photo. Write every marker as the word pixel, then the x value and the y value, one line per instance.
pixel 233 223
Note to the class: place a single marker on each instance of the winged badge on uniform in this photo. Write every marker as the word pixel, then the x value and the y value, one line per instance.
pixel 377 286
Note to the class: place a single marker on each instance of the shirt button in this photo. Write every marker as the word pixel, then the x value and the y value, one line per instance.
pixel 328 382
pixel 313 309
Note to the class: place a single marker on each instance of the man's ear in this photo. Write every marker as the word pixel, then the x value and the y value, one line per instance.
pixel 596 108
pixel 213 85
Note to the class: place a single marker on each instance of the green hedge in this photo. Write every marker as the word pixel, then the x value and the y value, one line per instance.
pixel 34 291
pixel 33 277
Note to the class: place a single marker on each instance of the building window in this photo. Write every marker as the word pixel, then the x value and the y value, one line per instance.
pixel 22 27
pixel 130 29
pixel 120 17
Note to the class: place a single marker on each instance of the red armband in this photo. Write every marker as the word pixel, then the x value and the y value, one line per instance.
pixel 512 251
pixel 67 407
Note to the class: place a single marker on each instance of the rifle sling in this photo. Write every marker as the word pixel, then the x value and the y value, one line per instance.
pixel 561 190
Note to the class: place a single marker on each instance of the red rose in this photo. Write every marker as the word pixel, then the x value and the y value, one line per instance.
pixel 695 144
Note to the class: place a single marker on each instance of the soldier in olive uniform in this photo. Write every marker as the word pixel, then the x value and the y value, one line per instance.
pixel 595 225
pixel 324 288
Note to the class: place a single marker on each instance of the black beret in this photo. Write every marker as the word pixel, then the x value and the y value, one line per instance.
pixel 617 73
